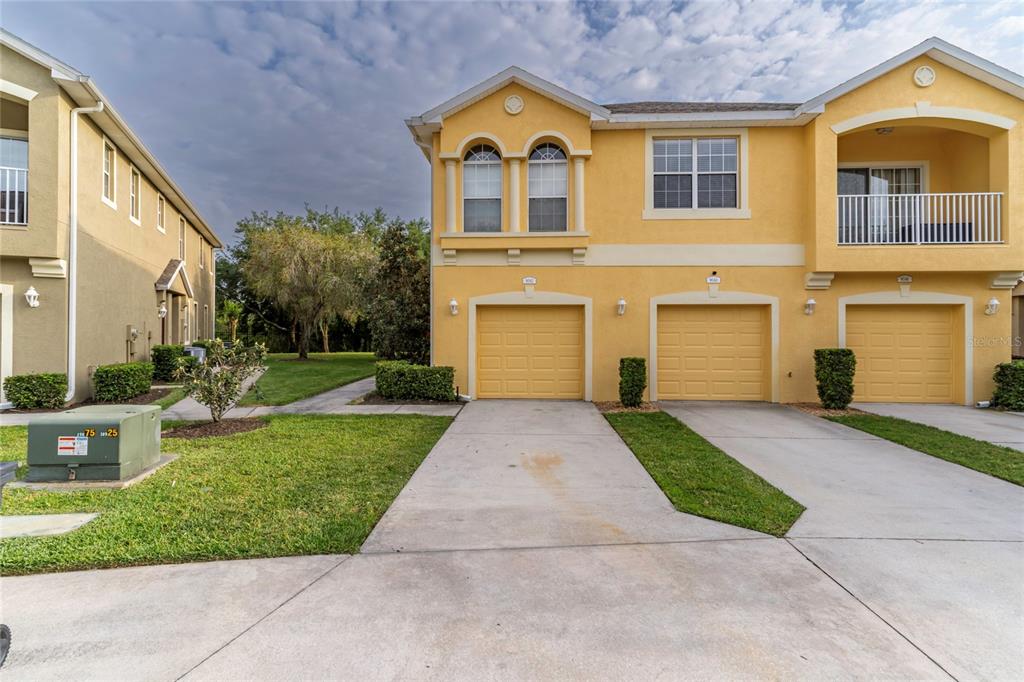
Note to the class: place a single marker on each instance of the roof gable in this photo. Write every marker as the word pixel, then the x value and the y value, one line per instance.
pixel 513 74
pixel 942 52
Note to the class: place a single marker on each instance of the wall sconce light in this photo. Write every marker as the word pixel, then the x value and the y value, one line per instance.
pixel 809 306
pixel 161 311
pixel 453 306
pixel 32 297
pixel 622 306
pixel 992 307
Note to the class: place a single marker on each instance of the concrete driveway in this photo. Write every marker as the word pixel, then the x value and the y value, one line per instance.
pixel 1001 428
pixel 932 547
pixel 531 544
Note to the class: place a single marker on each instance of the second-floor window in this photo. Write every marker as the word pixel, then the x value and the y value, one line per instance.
pixel 481 190
pixel 109 172
pixel 697 172
pixel 202 254
pixel 181 238
pixel 13 181
pixel 160 212
pixel 548 184
pixel 134 195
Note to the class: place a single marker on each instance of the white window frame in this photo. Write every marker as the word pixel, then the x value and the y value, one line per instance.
pixel 923 166
pixel 110 201
pixel 195 320
pixel 134 195
pixel 202 253
pixel 742 210
pixel 206 321
pixel 529 195
pixel 161 213
pixel 501 189
pixel 182 238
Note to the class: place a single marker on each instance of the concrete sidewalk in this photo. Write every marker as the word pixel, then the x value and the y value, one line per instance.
pixel 1001 428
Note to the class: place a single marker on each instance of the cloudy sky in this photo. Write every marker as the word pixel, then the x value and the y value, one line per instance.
pixel 275 105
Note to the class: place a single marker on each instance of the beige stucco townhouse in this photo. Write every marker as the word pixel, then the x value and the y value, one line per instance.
pixel 101 254
pixel 724 242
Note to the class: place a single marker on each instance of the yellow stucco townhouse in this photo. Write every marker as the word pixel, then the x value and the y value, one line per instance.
pixel 101 254
pixel 724 242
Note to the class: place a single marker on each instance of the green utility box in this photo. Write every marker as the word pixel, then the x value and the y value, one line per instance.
pixel 94 443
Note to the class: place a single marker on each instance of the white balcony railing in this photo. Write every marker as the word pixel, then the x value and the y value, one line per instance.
pixel 952 218
pixel 13 196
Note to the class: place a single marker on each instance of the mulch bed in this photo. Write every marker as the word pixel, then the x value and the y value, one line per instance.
pixel 225 427
pixel 374 398
pixel 616 406
pixel 819 411
pixel 146 398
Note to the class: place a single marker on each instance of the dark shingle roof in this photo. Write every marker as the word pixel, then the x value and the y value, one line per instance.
pixel 694 107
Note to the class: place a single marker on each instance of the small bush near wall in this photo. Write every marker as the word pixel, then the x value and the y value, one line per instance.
pixel 834 369
pixel 165 361
pixel 632 381
pixel 33 391
pixel 1009 378
pixel 398 380
pixel 202 343
pixel 111 383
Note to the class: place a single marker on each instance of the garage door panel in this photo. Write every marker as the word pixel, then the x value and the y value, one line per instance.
pixel 530 352
pixel 905 353
pixel 723 356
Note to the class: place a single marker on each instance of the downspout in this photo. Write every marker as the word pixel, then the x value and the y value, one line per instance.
pixel 73 250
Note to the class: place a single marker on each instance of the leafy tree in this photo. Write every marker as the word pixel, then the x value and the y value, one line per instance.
pixel 399 303
pixel 231 314
pixel 217 382
pixel 312 277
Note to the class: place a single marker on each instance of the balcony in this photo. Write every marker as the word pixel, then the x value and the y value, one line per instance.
pixel 920 219
pixel 13 196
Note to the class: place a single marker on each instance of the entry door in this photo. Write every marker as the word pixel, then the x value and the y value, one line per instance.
pixel 530 352
pixel 714 352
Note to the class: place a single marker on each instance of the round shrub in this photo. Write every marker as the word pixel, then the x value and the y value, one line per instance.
pixel 1009 378
pixel 834 369
pixel 34 391
pixel 632 381
pixel 165 360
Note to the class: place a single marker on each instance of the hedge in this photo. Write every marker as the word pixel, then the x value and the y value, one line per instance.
pixel 203 343
pixel 112 383
pixel 165 360
pixel 1009 378
pixel 32 391
pixel 399 380
pixel 834 369
pixel 632 381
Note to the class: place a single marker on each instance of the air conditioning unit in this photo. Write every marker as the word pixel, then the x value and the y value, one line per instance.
pixel 94 443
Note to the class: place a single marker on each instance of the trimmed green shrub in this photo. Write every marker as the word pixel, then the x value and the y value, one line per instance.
pixel 203 343
pixel 1009 378
pixel 111 383
pixel 165 360
pixel 834 369
pixel 632 381
pixel 33 391
pixel 398 380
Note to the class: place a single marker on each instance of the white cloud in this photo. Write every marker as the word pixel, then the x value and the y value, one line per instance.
pixel 272 106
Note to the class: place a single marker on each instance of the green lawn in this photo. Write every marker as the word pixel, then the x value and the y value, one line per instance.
pixel 288 379
pixel 994 460
pixel 171 398
pixel 701 479
pixel 304 485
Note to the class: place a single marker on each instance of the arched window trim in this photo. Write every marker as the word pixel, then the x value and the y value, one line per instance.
pixel 481 189
pixel 548 188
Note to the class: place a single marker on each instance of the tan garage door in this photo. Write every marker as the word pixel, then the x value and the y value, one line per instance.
pixel 906 353
pixel 530 352
pixel 714 352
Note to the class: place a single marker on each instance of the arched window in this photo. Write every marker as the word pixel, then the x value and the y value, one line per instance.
pixel 548 189
pixel 481 190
